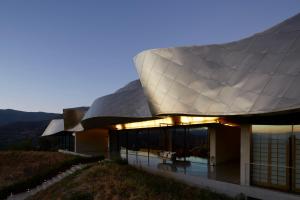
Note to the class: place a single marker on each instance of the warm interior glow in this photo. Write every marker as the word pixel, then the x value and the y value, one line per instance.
pixel 119 126
pixel 168 121
pixel 229 124
pixel 147 124
pixel 198 120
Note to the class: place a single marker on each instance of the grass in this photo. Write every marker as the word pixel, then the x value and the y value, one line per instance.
pixel 21 170
pixel 16 166
pixel 111 180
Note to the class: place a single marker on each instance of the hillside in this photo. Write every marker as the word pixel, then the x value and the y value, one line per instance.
pixel 16 166
pixel 8 116
pixel 16 126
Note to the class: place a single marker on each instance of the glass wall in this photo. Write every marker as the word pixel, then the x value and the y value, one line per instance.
pixel 276 156
pixel 143 146
pixel 296 158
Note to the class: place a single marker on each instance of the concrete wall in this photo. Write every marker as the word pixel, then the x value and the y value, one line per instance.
pixel 227 144
pixel 224 144
pixel 92 142
pixel 246 131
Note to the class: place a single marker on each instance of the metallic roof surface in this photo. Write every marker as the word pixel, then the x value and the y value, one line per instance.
pixel 258 74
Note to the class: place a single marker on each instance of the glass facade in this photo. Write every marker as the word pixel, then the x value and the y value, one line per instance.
pixel 142 147
pixel 275 156
pixel 296 158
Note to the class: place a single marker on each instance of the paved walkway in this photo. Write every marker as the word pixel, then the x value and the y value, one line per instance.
pixel 229 189
pixel 46 184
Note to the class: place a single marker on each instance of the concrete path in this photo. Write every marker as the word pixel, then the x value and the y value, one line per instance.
pixel 229 189
pixel 46 184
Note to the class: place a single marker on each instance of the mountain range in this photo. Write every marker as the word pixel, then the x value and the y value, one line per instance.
pixel 16 126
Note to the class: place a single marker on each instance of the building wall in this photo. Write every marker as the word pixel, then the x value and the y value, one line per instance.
pixel 73 116
pixel 246 131
pixel 224 144
pixel 92 142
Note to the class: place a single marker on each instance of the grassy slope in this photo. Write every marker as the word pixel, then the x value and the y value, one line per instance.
pixel 16 166
pixel 109 180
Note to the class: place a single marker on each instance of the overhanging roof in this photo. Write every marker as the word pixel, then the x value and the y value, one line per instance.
pixel 126 104
pixel 55 126
pixel 259 74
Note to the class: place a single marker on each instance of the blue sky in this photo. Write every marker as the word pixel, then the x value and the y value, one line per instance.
pixel 57 54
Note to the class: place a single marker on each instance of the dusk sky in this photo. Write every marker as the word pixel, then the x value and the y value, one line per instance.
pixel 57 54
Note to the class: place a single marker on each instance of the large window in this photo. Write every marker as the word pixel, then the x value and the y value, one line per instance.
pixel 276 156
pixel 296 158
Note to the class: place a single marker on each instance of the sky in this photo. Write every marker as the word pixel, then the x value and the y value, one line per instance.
pixel 57 54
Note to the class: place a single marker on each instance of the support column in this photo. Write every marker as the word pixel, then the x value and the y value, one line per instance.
pixel 127 146
pixel 212 145
pixel 170 140
pixel 166 139
pixel 75 143
pixel 246 131
pixel 148 146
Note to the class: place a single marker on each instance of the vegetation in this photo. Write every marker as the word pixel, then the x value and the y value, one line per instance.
pixel 24 128
pixel 20 170
pixel 116 180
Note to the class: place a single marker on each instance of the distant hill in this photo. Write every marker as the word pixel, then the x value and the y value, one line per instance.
pixel 16 126
pixel 9 116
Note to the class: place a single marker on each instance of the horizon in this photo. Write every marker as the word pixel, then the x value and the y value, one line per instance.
pixel 64 54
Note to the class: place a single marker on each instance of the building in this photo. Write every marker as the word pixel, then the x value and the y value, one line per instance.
pixel 227 112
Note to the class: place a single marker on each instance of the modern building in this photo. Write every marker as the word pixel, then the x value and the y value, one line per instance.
pixel 61 132
pixel 226 113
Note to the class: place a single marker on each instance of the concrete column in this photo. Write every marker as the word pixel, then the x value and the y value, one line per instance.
pixel 75 143
pixel 169 140
pixel 113 146
pixel 246 131
pixel 165 139
pixel 212 145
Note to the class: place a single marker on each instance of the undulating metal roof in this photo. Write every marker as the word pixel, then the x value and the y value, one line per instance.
pixel 54 127
pixel 126 103
pixel 259 74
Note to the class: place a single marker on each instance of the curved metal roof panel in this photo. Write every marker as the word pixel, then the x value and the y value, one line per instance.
pixel 258 74
pixel 127 102
pixel 54 127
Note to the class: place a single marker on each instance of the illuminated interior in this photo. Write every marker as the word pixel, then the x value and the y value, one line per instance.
pixel 187 120
pixel 146 124
pixel 168 121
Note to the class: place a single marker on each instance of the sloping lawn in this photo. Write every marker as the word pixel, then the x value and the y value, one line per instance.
pixel 109 180
pixel 16 166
